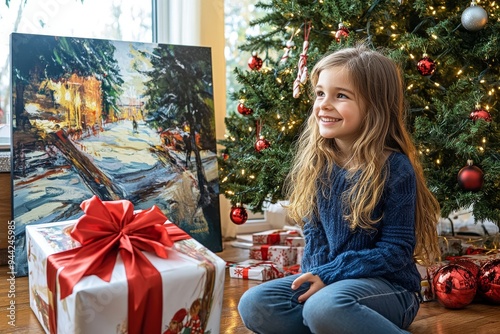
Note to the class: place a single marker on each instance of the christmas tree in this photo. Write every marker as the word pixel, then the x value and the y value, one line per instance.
pixel 449 53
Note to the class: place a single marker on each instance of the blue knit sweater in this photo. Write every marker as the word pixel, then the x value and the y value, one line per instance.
pixel 334 252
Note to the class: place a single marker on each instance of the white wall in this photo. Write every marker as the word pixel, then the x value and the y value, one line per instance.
pixel 212 34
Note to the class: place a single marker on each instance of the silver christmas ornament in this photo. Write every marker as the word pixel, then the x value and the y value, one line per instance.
pixel 474 18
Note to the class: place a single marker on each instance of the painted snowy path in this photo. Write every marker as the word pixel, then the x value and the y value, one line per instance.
pixel 138 162
pixel 127 158
pixel 143 170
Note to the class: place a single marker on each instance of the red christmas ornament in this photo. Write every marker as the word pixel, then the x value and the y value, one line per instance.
pixel 470 177
pixel 480 113
pixel 455 286
pixel 489 281
pixel 244 110
pixel 255 63
pixel 426 66
pixel 262 144
pixel 471 266
pixel 238 214
pixel 342 33
pixel 225 156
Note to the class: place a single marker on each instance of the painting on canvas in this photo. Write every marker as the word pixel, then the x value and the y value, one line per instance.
pixel 119 120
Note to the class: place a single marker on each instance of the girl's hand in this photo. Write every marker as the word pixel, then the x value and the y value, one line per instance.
pixel 316 285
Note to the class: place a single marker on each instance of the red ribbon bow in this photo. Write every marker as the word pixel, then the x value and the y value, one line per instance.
pixel 104 231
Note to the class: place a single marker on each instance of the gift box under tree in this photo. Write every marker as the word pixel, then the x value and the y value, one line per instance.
pixel 255 270
pixel 282 256
pixel 273 237
pixel 119 271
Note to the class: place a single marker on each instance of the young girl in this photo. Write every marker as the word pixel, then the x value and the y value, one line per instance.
pixel 358 188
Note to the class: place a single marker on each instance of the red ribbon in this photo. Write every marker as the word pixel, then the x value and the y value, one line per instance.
pixel 245 272
pixel 264 250
pixel 104 231
pixel 274 238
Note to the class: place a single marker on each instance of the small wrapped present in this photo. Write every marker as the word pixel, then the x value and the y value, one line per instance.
pixel 292 270
pixel 422 270
pixel 426 291
pixel 450 246
pixel 280 255
pixel 115 270
pixel 300 254
pixel 427 275
pixel 255 270
pixel 295 241
pixel 273 237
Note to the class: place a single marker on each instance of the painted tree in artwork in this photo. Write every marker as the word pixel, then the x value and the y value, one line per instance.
pixel 180 98
pixel 449 52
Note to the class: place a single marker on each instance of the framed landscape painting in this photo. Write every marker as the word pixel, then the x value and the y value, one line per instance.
pixel 114 119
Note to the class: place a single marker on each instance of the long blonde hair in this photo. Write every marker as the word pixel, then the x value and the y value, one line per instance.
pixel 378 82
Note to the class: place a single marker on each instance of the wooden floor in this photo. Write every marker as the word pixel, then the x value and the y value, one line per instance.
pixel 476 318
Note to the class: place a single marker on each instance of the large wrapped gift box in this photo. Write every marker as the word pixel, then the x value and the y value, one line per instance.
pixel 192 279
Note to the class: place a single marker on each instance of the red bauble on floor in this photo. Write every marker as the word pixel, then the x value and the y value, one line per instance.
pixel 489 281
pixel 455 286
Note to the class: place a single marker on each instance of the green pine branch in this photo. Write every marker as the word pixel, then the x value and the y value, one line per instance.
pixel 467 73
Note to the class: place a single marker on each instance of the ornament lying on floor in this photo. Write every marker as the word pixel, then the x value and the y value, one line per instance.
pixel 455 286
pixel 489 281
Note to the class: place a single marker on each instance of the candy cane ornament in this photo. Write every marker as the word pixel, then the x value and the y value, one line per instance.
pixel 302 66
pixel 288 47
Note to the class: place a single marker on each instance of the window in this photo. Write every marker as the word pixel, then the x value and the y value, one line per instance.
pixel 116 19
pixel 237 16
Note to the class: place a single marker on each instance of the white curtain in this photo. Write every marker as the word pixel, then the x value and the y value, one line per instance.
pixel 183 21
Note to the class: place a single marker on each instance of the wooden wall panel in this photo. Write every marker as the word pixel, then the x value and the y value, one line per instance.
pixel 5 213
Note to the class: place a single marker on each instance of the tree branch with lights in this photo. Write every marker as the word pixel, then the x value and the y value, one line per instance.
pixel 449 52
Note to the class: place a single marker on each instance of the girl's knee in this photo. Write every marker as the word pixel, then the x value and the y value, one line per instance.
pixel 252 313
pixel 319 312
pixel 246 303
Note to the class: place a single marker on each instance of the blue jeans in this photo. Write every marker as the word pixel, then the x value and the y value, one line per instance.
pixel 367 305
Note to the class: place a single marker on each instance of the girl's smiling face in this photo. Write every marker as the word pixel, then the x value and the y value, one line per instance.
pixel 338 108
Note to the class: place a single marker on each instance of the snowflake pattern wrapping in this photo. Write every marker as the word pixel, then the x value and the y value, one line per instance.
pixel 273 237
pixel 255 270
pixel 282 256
